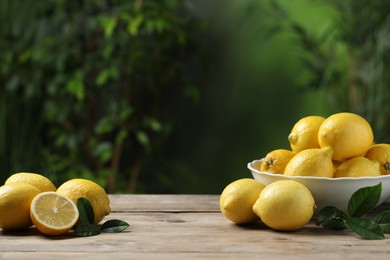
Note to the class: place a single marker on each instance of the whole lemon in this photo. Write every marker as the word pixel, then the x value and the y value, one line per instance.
pixel 311 162
pixel 380 153
pixel 285 205
pixel 276 161
pixel 349 134
pixel 37 180
pixel 237 199
pixel 358 167
pixel 335 165
pixel 15 201
pixel 304 134
pixel 82 188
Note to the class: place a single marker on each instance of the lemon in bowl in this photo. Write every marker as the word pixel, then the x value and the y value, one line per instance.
pixel 326 191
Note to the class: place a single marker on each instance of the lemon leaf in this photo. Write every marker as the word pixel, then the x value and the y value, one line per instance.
pixel 360 203
pixel 364 200
pixel 365 228
pixel 114 226
pixel 87 230
pixel 86 213
pixel 383 219
pixel 332 218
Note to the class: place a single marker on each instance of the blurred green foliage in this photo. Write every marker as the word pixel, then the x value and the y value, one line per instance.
pixel 110 79
pixel 177 96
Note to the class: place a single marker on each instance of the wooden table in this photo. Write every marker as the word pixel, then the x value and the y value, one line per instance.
pixel 190 227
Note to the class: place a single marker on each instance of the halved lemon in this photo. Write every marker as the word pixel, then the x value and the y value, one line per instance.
pixel 53 214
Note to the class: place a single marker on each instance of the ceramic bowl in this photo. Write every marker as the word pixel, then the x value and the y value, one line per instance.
pixel 326 191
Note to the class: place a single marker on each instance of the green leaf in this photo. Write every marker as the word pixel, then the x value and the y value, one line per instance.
pixel 105 125
pixel 87 215
pixel 332 218
pixel 105 75
pixel 75 85
pixel 126 112
pixel 365 228
pixel 25 56
pixel 134 24
pixel 87 230
pixel 114 226
pixel 107 50
pixel 102 77
pixel 121 136
pixel 142 138
pixel 385 228
pixel 364 200
pixel 109 24
pixel 383 219
pixel 103 150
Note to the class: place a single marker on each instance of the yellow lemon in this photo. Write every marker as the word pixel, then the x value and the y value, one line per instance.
pixel 304 134
pixel 336 164
pixel 15 200
pixel 350 135
pixel 358 167
pixel 380 153
pixel 237 199
pixel 285 205
pixel 311 162
pixel 37 180
pixel 53 214
pixel 276 161
pixel 82 188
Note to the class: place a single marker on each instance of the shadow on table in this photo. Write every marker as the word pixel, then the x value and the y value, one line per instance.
pixel 32 231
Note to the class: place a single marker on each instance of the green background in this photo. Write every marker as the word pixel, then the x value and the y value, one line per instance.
pixel 178 96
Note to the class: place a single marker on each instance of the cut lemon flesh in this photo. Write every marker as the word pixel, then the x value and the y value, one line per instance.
pixel 53 214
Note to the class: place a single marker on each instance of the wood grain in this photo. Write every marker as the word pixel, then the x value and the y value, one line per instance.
pixel 190 227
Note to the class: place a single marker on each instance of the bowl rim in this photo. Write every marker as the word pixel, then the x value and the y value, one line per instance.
pixel 249 165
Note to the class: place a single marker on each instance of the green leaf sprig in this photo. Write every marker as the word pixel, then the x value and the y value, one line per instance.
pixel 87 228
pixel 360 204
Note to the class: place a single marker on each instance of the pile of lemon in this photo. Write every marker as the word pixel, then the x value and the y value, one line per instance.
pixel 28 199
pixel 341 145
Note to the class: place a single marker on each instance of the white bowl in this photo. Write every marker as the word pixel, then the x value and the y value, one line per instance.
pixel 326 191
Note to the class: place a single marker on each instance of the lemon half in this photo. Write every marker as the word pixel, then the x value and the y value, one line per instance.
pixel 53 214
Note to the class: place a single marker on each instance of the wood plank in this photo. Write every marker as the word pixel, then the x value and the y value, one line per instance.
pixel 166 203
pixel 196 235
pixel 171 227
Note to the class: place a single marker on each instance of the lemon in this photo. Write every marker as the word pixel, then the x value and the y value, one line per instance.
pixel 37 180
pixel 53 214
pixel 380 153
pixel 276 161
pixel 304 134
pixel 335 165
pixel 15 200
pixel 358 167
pixel 237 199
pixel 349 134
pixel 285 205
pixel 82 188
pixel 311 162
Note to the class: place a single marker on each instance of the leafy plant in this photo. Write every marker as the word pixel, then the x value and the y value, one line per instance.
pixel 356 219
pixel 339 60
pixel 349 60
pixel 109 80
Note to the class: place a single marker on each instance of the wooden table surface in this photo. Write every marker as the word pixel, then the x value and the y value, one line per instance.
pixel 190 227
